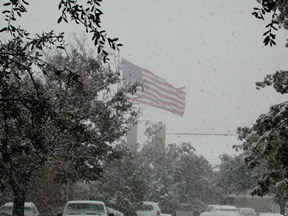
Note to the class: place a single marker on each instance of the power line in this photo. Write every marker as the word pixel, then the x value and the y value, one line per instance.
pixel 201 134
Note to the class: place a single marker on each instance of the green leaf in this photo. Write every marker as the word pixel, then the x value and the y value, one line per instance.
pixel 266 33
pixel 268 25
pixel 59 19
pixel 25 2
pixel 4 29
pixel 272 43
pixel 266 40
pixel 274 28
pixel 61 47
pixel 58 72
pixel 7 4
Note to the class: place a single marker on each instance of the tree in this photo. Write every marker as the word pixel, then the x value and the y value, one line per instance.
pixel 148 173
pixel 69 119
pixel 41 120
pixel 157 173
pixel 234 176
pixel 279 18
pixel 49 196
pixel 122 186
pixel 265 143
pixel 192 174
pixel 175 176
pixel 86 14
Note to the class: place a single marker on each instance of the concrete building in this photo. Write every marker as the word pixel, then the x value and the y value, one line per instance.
pixel 159 138
pixel 132 136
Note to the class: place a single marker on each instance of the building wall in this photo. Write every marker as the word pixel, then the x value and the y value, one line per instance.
pixel 132 136
pixel 159 140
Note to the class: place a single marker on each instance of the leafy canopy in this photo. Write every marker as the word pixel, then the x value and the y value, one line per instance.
pixel 265 143
pixel 86 14
pixel 279 18
pixel 63 111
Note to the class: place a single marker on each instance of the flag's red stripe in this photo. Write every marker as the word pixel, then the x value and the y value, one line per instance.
pixel 158 106
pixel 157 79
pixel 160 99
pixel 156 85
pixel 158 90
pixel 164 83
pixel 149 91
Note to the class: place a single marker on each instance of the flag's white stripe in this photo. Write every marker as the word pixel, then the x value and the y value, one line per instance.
pixel 172 91
pixel 150 89
pixel 158 101
pixel 165 98
pixel 147 75
pixel 152 103
pixel 169 90
pixel 157 92
pixel 160 94
pixel 155 77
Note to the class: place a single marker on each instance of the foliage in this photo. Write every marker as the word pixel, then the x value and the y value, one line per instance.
pixel 122 186
pixel 279 80
pixel 157 174
pixel 47 194
pixel 192 176
pixel 176 176
pixel 87 14
pixel 62 113
pixel 234 176
pixel 265 143
pixel 279 17
pixel 170 177
pixel 70 119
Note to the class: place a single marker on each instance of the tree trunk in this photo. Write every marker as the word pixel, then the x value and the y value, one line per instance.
pixel 19 201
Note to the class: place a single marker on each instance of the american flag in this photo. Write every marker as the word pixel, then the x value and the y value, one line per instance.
pixel 153 90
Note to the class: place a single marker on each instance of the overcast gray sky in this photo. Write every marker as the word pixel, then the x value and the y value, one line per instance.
pixel 211 47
